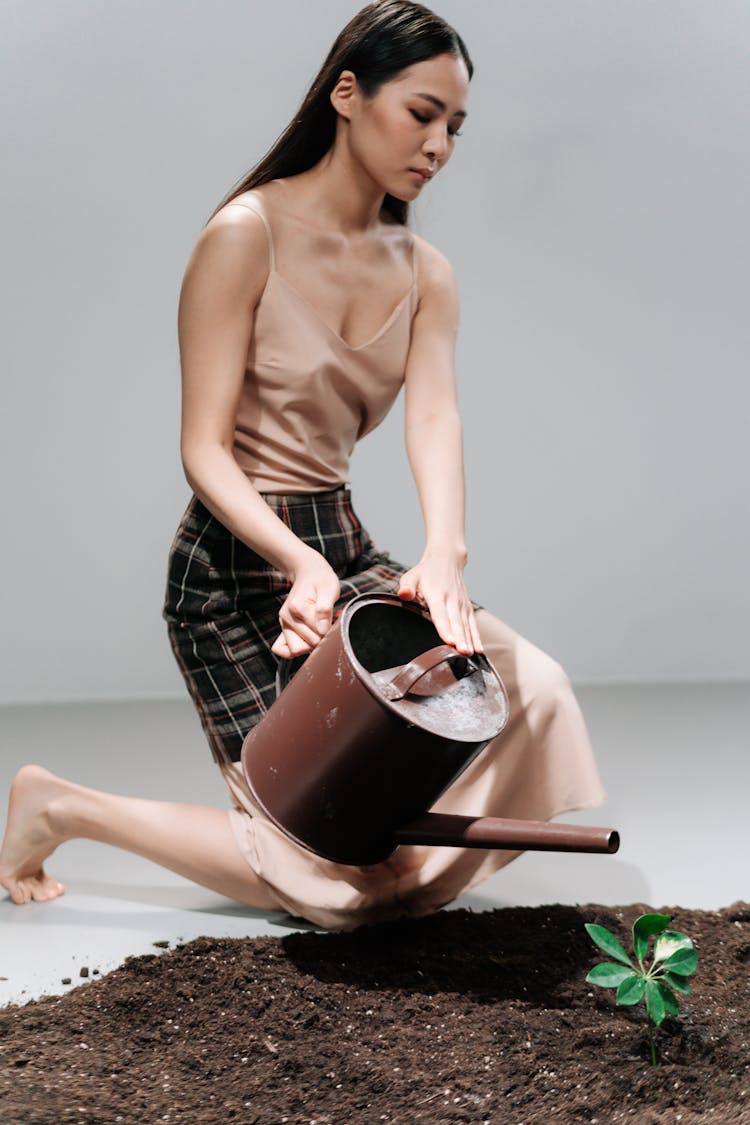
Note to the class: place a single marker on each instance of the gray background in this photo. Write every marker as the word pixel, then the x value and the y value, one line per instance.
pixel 596 215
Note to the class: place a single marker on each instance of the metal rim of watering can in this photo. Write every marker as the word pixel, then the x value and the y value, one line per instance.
pixel 368 680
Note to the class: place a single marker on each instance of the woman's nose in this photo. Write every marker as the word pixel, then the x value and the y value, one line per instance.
pixel 436 145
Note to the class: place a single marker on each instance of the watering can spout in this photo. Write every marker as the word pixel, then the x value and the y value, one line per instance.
pixel 451 830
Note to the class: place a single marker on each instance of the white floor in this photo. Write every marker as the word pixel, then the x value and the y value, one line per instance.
pixel 674 760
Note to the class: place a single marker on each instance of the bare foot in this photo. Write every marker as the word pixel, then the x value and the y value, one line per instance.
pixel 30 837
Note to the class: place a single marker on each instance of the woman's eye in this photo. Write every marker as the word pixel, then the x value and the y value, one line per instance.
pixel 424 120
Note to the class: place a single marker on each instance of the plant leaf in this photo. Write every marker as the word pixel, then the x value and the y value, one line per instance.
pixel 644 927
pixel 678 984
pixel 669 998
pixel 631 990
pixel 608 975
pixel 669 942
pixel 655 1003
pixel 684 962
pixel 608 942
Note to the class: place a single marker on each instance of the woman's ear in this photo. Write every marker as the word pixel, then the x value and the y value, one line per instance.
pixel 344 93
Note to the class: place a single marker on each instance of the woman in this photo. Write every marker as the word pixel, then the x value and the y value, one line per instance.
pixel 306 304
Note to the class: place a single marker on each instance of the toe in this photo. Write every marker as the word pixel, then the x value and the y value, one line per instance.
pixel 18 892
pixel 32 888
pixel 42 890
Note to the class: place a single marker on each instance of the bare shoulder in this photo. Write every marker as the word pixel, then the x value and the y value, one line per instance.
pixel 436 281
pixel 232 249
pixel 242 217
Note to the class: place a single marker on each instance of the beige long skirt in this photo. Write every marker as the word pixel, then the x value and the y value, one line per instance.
pixel 541 765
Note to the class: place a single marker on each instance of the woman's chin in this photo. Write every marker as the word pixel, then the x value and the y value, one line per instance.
pixel 405 194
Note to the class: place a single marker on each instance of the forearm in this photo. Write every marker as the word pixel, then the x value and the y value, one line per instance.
pixel 434 447
pixel 220 484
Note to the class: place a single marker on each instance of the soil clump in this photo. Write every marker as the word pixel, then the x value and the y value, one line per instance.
pixel 457 1017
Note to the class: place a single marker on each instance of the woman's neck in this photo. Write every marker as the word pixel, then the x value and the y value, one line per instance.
pixel 336 196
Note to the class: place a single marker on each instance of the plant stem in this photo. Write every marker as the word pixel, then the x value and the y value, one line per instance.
pixel 651 1041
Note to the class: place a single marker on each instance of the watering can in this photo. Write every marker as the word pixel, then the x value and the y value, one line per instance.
pixel 377 722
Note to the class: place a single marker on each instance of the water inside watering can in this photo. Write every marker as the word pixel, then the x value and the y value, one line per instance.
pixel 471 709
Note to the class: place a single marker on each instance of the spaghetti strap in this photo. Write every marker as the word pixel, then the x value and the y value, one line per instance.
pixel 258 210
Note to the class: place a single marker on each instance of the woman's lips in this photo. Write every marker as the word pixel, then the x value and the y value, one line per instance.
pixel 420 176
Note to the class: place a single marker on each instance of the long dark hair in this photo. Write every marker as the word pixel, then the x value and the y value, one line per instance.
pixel 384 38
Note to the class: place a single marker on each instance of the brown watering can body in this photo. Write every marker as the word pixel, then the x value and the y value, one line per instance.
pixel 377 722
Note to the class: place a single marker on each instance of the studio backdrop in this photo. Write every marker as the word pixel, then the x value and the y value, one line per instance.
pixel 595 212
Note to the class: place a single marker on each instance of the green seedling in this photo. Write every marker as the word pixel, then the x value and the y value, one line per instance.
pixel 673 959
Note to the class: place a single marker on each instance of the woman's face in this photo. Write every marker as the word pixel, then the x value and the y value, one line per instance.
pixel 410 125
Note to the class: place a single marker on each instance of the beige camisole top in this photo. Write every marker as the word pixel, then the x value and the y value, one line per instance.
pixel 308 396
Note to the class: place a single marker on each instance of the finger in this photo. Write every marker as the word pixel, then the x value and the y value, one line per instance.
pixel 296 626
pixel 441 621
pixel 419 594
pixel 469 641
pixel 297 645
pixel 323 619
pixel 475 635
pixel 407 587
pixel 280 647
pixel 456 618
pixel 468 632
pixel 311 618
pixel 288 645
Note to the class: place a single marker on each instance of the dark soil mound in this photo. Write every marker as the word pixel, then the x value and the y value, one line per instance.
pixel 456 1017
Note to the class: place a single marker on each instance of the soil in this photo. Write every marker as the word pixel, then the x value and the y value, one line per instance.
pixel 457 1017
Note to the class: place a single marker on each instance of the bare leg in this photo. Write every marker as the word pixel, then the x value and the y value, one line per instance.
pixel 195 841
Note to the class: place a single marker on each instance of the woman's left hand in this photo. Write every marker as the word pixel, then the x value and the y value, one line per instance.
pixel 437 582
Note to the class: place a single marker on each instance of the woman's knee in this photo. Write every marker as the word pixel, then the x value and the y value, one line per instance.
pixel 515 655
pixel 542 677
pixel 550 675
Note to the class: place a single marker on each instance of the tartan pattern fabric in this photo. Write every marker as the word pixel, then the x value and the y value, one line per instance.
pixel 223 599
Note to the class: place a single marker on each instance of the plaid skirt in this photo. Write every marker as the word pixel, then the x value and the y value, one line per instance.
pixel 222 605
pixel 223 599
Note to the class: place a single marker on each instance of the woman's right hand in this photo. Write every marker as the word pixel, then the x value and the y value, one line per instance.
pixel 306 615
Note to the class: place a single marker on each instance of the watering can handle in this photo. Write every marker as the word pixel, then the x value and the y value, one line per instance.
pixel 405 680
